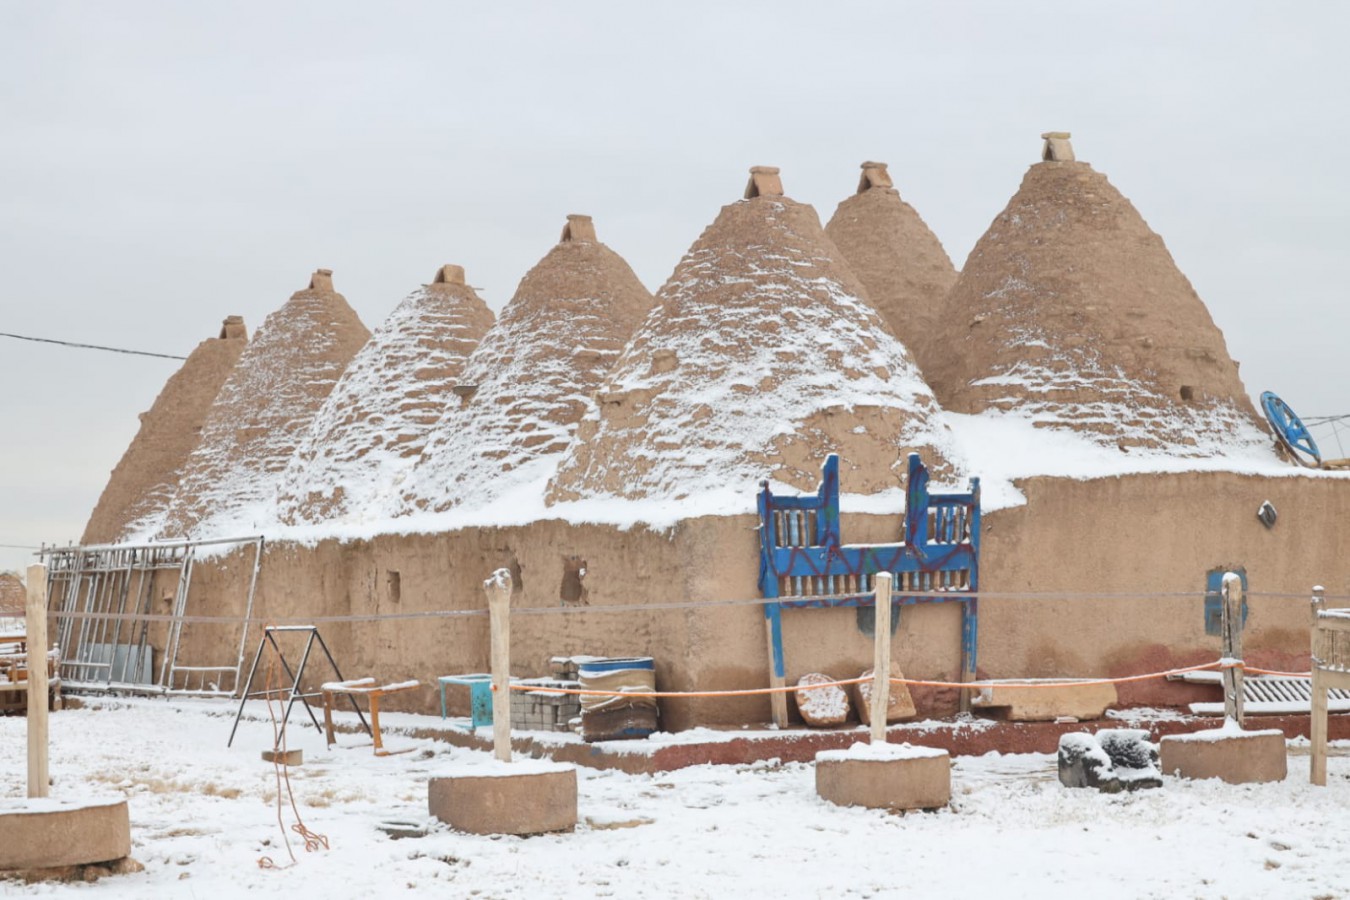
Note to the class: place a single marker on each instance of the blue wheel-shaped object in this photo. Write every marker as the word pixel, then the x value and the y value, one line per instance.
pixel 1290 430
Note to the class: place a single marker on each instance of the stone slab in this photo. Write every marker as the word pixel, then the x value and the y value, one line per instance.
pixel 532 802
pixel 1237 757
pixel 51 833
pixel 900 705
pixel 923 782
pixel 286 758
pixel 821 707
pixel 1071 699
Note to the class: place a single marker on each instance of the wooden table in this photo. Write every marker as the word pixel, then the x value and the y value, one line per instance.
pixel 363 687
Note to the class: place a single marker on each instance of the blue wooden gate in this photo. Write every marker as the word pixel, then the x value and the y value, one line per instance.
pixel 804 562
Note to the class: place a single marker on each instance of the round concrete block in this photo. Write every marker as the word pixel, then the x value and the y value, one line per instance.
pixel 1237 757
pixel 887 777
pixel 46 833
pixel 529 797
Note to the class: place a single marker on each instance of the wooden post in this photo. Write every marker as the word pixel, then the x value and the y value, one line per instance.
pixel 37 681
pixel 1318 712
pixel 1232 647
pixel 881 658
pixel 498 589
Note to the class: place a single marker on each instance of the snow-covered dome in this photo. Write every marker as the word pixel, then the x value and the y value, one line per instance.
pixel 532 378
pixel 761 356
pixel 229 485
pixel 1071 312
pixel 375 423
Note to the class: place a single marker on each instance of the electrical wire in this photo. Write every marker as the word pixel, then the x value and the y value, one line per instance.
pixel 24 337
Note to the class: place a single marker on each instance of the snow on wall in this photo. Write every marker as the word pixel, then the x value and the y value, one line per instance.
pixel 375 423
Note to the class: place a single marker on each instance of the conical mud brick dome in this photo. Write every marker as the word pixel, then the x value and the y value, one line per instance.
pixel 142 485
pixel 761 357
pixel 899 261
pixel 263 411
pixel 1071 312
pixel 13 595
pixel 376 421
pixel 530 381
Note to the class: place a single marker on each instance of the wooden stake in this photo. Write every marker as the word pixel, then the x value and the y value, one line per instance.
pixel 498 589
pixel 1318 728
pixel 38 780
pixel 1232 647
pixel 881 658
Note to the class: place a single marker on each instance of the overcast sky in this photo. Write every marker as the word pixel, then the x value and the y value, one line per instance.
pixel 163 165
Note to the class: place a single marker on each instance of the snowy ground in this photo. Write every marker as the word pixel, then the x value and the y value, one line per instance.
pixel 202 816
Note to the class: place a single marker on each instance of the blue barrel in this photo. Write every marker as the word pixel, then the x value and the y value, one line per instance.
pixel 601 666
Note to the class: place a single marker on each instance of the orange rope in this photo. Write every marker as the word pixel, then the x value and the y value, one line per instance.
pixel 313 841
pixel 528 688
pixel 737 693
pixel 1282 674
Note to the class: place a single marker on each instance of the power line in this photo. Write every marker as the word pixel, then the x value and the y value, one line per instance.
pixel 23 337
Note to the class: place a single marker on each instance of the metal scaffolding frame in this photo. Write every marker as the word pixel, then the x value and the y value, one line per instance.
pixel 102 598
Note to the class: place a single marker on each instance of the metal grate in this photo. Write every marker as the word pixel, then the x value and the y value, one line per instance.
pixel 1270 695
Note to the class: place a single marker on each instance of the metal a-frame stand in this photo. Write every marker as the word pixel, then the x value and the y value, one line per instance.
pixel 293 693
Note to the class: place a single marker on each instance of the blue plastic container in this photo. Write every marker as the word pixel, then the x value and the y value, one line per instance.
pixel 602 666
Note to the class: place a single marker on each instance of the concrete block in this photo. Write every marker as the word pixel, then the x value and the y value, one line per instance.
pixel 507 798
pixel 286 758
pixel 899 782
pixel 48 833
pixel 1073 699
pixel 1237 757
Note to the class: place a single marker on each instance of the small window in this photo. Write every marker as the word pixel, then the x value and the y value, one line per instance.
pixel 573 591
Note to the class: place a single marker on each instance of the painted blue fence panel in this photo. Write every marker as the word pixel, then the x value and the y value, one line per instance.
pixel 1214 597
pixel 802 554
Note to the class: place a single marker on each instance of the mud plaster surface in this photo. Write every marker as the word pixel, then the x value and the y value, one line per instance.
pixel 1074 537
pixel 899 261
